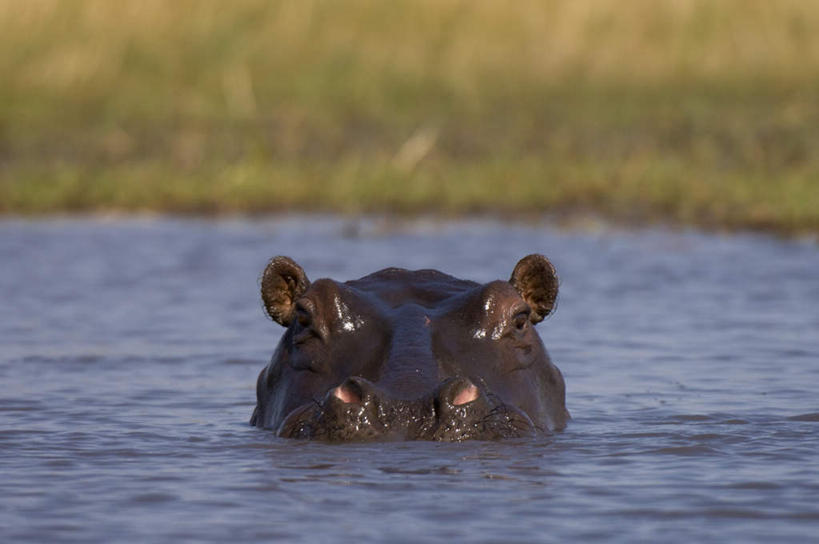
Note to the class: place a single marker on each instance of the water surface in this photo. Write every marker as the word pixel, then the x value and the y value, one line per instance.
pixel 130 350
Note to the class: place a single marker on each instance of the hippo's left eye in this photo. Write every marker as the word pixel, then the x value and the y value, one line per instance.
pixel 521 319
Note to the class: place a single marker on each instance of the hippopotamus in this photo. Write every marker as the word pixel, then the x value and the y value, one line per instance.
pixel 410 355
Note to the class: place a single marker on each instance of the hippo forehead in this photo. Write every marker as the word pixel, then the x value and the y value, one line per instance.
pixel 396 287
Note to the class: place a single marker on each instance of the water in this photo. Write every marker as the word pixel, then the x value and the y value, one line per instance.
pixel 130 350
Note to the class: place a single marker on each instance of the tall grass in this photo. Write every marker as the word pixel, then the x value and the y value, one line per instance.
pixel 697 112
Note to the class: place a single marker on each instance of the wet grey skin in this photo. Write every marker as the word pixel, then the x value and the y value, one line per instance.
pixel 410 355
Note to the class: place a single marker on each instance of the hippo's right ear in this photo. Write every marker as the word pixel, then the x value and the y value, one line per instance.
pixel 535 279
pixel 283 282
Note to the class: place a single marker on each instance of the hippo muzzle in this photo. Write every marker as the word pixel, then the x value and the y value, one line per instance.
pixel 357 410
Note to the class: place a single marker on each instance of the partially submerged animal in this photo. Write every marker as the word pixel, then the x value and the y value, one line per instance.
pixel 410 355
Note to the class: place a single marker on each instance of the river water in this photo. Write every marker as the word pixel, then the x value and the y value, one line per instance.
pixel 130 350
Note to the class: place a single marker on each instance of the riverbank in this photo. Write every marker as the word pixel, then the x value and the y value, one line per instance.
pixel 686 113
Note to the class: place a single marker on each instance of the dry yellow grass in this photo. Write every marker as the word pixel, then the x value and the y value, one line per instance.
pixel 683 110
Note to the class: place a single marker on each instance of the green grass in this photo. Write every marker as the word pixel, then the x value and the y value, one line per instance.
pixel 688 112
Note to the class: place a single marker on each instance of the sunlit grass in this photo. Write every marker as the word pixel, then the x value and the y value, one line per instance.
pixel 693 112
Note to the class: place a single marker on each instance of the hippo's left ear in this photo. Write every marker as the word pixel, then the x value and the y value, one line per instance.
pixel 535 279
pixel 283 282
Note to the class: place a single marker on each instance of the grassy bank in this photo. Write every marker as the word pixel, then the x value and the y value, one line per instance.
pixel 693 112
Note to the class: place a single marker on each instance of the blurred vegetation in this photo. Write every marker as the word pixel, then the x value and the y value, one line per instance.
pixel 685 111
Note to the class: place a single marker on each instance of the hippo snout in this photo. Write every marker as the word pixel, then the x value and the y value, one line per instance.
pixel 359 410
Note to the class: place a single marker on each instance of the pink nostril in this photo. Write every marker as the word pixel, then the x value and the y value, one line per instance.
pixel 346 394
pixel 465 395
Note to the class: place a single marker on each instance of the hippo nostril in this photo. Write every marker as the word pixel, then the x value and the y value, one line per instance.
pixel 467 393
pixel 345 395
pixel 349 392
pixel 457 392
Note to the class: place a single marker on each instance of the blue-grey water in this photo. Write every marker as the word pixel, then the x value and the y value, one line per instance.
pixel 130 350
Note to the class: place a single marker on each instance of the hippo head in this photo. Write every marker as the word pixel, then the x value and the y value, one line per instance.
pixel 404 355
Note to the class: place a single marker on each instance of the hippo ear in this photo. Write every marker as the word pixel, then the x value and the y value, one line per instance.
pixel 283 282
pixel 535 279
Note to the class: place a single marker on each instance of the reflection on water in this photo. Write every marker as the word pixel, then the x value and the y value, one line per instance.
pixel 130 350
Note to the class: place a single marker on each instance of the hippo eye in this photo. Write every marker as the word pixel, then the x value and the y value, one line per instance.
pixel 304 319
pixel 521 320
pixel 303 315
pixel 305 330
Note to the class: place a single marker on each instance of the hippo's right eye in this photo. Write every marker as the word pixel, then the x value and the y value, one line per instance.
pixel 304 316
pixel 304 330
